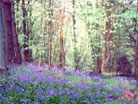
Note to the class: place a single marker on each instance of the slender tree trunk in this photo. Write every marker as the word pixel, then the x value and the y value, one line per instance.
pixel 136 48
pixel 27 52
pixel 62 53
pixel 50 37
pixel 106 53
pixel 30 27
pixel 99 61
pixel 136 59
pixel 3 41
pixel 17 21
pixel 99 4
pixel 74 33
pixel 17 49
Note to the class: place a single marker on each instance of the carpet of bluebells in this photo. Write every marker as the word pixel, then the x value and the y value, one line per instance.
pixel 32 84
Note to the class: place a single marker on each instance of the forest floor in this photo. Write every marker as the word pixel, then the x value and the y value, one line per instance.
pixel 34 84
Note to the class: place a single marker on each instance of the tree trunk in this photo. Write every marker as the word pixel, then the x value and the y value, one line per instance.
pixel 17 49
pixel 99 61
pixel 62 53
pixel 106 53
pixel 3 41
pixel 50 36
pixel 136 49
pixel 8 22
pixel 136 60
pixel 74 33
pixel 27 51
pixel 14 53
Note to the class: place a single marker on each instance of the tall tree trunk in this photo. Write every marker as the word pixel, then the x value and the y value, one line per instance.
pixel 50 36
pixel 17 49
pixel 62 53
pixel 3 41
pixel 136 59
pixel 98 61
pixel 14 53
pixel 74 33
pixel 27 51
pixel 10 40
pixel 136 48
pixel 106 53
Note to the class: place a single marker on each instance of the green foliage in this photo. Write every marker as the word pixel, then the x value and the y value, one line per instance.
pixel 53 100
pixel 130 15
pixel 90 16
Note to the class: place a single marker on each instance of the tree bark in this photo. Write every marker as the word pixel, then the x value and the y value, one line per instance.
pixel 50 37
pixel 98 61
pixel 74 34
pixel 62 53
pixel 17 49
pixel 3 41
pixel 27 51
pixel 136 60
pixel 14 53
pixel 136 48
pixel 8 22
pixel 106 53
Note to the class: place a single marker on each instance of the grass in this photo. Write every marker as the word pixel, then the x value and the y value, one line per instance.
pixel 77 79
pixel 73 79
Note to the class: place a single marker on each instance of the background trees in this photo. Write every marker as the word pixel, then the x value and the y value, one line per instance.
pixel 85 35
